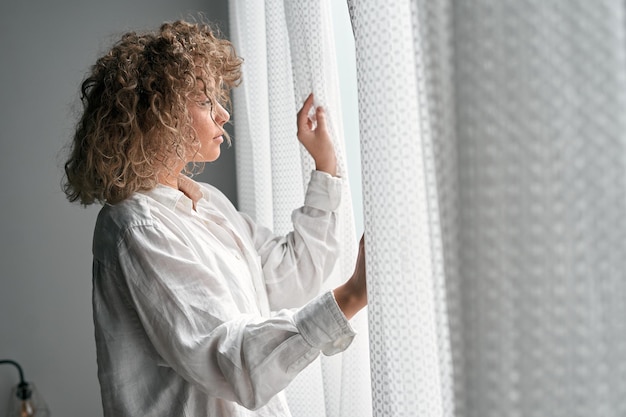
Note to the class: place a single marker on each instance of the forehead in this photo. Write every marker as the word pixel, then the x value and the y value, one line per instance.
pixel 205 81
pixel 203 87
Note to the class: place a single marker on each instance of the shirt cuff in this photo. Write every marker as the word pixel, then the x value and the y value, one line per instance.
pixel 323 325
pixel 324 191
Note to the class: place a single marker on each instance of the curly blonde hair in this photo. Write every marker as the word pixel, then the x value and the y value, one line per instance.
pixel 135 108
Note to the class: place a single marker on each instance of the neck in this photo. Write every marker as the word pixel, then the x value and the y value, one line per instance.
pixel 183 183
pixel 170 177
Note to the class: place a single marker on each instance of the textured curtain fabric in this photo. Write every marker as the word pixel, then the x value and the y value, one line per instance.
pixel 288 52
pixel 410 351
pixel 493 139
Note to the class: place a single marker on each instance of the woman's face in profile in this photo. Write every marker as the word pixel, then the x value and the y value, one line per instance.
pixel 208 118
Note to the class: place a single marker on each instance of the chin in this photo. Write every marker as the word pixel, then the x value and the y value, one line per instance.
pixel 215 156
pixel 210 158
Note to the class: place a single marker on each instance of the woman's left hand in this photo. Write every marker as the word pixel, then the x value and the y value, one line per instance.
pixel 313 134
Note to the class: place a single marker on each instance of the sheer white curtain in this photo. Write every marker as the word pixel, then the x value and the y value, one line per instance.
pixel 288 52
pixel 493 138
pixel 410 345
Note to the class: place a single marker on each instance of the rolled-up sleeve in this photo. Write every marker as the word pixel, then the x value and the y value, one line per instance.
pixel 323 325
pixel 324 192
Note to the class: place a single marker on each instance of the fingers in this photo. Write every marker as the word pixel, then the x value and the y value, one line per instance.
pixel 303 118
pixel 303 114
pixel 320 118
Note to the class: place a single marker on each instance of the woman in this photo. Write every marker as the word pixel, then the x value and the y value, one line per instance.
pixel 198 311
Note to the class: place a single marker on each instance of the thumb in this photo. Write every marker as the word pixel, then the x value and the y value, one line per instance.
pixel 320 118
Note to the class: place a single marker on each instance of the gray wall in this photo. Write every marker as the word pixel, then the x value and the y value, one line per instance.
pixel 45 254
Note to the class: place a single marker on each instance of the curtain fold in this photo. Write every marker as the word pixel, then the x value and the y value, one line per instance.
pixel 410 353
pixel 288 51
pixel 542 164
pixel 494 207
pixel 346 376
pixel 251 113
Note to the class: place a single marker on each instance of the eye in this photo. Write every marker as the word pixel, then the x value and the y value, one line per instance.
pixel 206 103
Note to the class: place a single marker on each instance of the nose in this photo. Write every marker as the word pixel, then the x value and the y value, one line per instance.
pixel 221 115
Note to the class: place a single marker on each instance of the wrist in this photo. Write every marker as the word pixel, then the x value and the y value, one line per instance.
pixel 348 300
pixel 329 167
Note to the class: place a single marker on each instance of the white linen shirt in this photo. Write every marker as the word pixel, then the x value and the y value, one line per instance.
pixel 182 301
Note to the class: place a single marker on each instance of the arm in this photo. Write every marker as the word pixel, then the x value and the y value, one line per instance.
pixel 352 295
pixel 313 134
pixel 295 265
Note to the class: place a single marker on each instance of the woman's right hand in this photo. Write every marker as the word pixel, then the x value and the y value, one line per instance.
pixel 352 295
pixel 313 134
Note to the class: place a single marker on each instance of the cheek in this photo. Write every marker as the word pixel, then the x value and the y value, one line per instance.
pixel 205 125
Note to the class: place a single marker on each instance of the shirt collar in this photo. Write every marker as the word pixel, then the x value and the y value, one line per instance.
pixel 172 197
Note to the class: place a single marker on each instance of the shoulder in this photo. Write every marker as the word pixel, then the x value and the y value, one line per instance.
pixel 114 221
pixel 134 211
